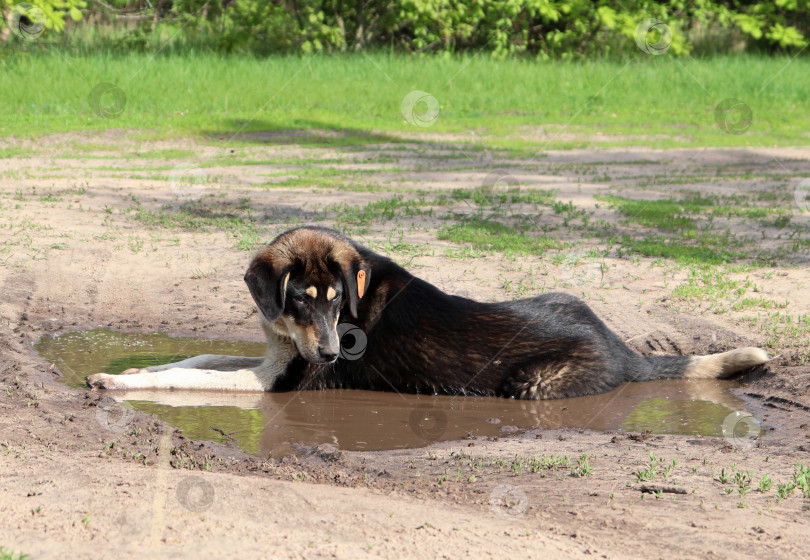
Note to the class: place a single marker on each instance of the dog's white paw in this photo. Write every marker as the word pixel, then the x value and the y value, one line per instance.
pixel 104 381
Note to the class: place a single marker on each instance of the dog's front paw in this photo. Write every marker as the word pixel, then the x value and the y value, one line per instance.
pixel 133 370
pixel 103 381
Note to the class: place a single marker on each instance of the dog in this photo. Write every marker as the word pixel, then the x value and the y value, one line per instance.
pixel 316 289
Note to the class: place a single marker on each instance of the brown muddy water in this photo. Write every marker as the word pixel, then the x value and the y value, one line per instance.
pixel 278 424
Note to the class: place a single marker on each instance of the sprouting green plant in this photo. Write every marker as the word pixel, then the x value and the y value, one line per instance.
pixel 784 490
pixel 801 478
pixel 582 468
pixel 765 483
pixel 743 479
pixel 649 472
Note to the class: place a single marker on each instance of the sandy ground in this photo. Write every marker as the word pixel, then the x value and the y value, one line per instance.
pixel 76 256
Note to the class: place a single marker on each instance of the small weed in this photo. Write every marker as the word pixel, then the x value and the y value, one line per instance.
pixel 765 483
pixel 582 468
pixel 6 554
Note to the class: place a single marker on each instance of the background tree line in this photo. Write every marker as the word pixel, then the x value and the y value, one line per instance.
pixel 535 28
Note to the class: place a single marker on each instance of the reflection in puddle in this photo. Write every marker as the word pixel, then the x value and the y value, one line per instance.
pixel 279 423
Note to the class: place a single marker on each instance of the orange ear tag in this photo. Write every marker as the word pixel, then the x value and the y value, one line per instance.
pixel 361 283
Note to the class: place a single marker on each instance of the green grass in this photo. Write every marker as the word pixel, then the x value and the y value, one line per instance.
pixel 692 230
pixel 655 101
pixel 676 215
pixel 784 330
pixel 6 554
pixel 235 220
pixel 490 235
pixel 708 250
pixel 379 210
pixel 494 196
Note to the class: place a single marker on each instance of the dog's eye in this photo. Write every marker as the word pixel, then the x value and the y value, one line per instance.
pixel 299 299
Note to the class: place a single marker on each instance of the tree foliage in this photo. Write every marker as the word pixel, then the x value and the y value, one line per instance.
pixel 537 28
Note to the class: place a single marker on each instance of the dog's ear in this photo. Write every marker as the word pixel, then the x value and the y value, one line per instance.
pixel 356 278
pixel 268 286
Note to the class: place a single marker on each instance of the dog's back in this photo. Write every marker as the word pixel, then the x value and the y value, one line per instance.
pixel 422 340
pixel 415 338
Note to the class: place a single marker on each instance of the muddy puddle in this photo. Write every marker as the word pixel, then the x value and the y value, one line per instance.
pixel 284 423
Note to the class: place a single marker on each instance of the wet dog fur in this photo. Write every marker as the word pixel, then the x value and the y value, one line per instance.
pixel 312 284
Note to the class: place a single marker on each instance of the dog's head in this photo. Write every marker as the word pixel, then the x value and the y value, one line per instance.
pixel 302 282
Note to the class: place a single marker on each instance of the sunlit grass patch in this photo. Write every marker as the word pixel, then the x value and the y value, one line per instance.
pixel 784 330
pixel 677 215
pixel 380 210
pixel 706 250
pixel 491 235
pixel 6 554
pixel 490 196
pixel 519 105
pixel 235 220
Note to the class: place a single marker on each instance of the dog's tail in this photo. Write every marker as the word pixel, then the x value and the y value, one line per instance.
pixel 712 366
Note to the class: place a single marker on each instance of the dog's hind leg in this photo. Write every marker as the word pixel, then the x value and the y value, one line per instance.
pixel 204 361
pixel 570 372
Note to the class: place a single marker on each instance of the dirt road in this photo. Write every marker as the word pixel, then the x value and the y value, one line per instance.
pixel 146 236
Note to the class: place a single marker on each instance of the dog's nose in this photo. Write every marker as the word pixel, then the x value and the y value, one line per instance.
pixel 327 355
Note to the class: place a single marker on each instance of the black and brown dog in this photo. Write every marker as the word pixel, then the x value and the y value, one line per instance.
pixel 407 335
